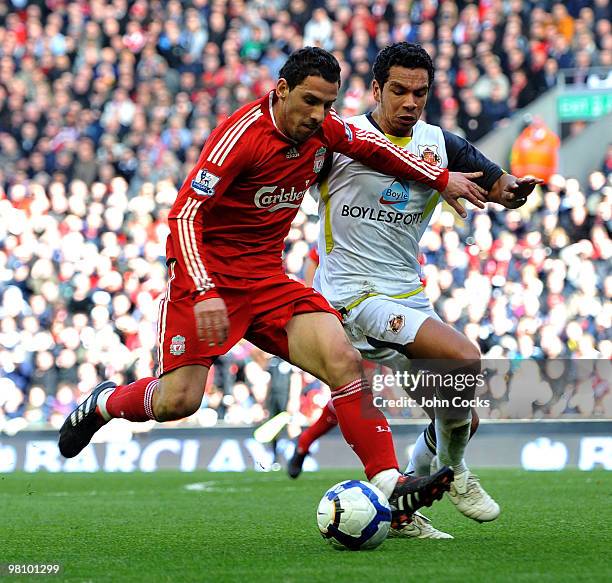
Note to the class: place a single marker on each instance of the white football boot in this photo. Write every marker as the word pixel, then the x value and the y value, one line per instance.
pixel 469 497
pixel 419 527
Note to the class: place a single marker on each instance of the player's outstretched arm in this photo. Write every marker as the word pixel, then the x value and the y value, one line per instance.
pixel 461 185
pixel 378 153
pixel 381 155
pixel 512 192
pixel 501 188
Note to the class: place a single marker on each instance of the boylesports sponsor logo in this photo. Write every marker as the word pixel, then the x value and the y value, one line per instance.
pixel 381 216
pixel 398 194
pixel 271 198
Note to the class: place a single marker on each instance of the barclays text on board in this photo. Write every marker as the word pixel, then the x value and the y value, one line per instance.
pixel 551 448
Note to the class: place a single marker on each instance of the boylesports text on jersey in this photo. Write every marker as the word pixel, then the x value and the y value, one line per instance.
pixel 272 199
pixel 381 216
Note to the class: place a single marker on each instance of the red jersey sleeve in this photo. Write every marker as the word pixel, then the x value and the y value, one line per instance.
pixel 225 155
pixel 375 151
pixel 313 254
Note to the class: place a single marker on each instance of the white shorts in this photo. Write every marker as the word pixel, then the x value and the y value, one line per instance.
pixel 382 319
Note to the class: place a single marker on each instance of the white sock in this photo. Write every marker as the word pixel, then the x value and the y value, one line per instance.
pixel 101 403
pixel 385 481
pixel 452 436
pixel 420 460
pixel 461 467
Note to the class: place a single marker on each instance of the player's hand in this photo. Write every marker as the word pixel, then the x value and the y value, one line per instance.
pixel 460 185
pixel 515 193
pixel 211 321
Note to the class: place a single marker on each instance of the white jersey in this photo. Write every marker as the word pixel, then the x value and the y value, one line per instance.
pixel 371 223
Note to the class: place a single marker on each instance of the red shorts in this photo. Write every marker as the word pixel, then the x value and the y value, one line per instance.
pixel 258 310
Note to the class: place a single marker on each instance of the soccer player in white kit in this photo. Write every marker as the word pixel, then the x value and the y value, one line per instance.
pixel 371 225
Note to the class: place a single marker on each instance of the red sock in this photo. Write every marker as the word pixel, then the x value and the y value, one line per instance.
pixel 364 427
pixel 133 402
pixel 321 426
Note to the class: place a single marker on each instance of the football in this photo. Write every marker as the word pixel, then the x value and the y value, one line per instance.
pixel 354 515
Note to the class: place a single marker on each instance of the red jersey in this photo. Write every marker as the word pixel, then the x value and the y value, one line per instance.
pixel 314 254
pixel 236 206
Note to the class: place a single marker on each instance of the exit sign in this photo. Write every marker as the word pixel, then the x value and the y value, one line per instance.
pixel 583 106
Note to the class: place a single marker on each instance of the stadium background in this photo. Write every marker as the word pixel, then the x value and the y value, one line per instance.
pixel 104 107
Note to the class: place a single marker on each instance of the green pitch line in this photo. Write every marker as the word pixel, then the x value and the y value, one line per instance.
pixel 249 527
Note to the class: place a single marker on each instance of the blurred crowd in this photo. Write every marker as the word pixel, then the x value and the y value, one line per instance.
pixel 105 105
pixel 92 89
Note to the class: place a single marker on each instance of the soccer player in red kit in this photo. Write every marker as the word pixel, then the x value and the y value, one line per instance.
pixel 225 275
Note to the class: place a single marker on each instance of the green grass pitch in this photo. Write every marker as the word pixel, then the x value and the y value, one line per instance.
pixel 261 527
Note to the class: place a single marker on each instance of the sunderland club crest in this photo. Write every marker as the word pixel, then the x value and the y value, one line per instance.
pixel 430 154
pixel 319 159
pixel 395 323
pixel 177 345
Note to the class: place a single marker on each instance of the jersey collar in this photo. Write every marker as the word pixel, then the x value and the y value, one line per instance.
pixel 400 141
pixel 371 119
pixel 271 101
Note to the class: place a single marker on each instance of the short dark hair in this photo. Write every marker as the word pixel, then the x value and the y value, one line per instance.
pixel 310 61
pixel 402 54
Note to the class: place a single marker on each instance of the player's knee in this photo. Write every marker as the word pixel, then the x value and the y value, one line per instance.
pixel 473 354
pixel 474 423
pixel 344 366
pixel 468 357
pixel 177 404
